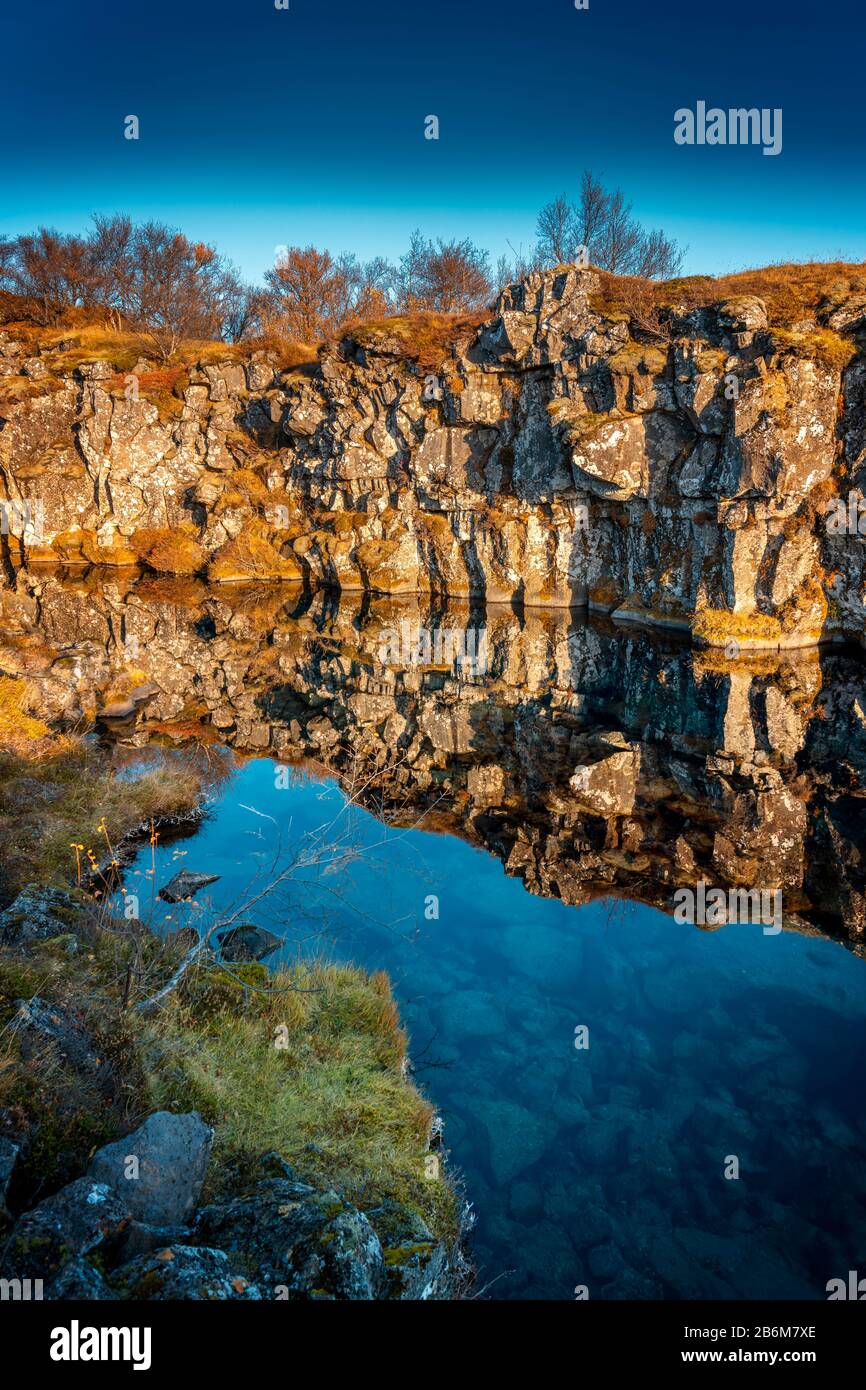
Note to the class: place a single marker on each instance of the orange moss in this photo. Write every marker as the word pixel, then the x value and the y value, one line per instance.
pixel 425 337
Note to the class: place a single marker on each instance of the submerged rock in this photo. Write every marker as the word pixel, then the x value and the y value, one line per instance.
pixel 185 885
pixel 247 943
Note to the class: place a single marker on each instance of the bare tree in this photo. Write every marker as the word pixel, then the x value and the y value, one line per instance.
pixel 113 258
pixel 308 292
pixel 180 289
pixel 53 269
pixel 591 212
pixel 557 232
pixel 619 236
pixel 603 223
pixel 445 276
pixel 658 257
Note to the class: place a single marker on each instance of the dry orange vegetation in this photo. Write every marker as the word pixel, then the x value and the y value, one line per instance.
pixel 85 336
pixel 791 291
pixel 427 337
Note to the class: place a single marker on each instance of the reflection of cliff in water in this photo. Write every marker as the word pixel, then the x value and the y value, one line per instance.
pixel 593 760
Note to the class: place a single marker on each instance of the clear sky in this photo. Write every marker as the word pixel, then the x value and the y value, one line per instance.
pixel 261 127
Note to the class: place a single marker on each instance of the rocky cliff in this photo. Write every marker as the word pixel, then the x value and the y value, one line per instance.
pixel 562 453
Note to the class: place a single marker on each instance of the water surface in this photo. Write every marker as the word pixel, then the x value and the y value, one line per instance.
pixel 603 1166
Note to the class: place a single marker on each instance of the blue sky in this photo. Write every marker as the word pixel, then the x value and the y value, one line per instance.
pixel 262 127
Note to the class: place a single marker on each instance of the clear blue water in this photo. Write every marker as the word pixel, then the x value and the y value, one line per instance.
pixel 603 1166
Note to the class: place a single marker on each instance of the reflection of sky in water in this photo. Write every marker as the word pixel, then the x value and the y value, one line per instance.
pixel 603 1167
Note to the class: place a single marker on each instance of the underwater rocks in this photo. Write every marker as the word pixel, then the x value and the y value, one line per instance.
pixel 185 885
pixel 247 943
pixel 564 457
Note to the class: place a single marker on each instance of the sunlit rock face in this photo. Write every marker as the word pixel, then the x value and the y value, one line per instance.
pixel 591 758
pixel 554 459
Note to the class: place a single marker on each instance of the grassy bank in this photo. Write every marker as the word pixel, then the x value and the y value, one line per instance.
pixel 309 1062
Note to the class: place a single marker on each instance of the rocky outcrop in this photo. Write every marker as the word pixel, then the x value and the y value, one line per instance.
pixel 132 1229
pixel 558 456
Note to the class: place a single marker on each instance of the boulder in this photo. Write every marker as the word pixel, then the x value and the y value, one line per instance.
pixel 417 1265
pixel 158 1170
pixel 184 1272
pixel 296 1242
pixel 52 1030
pixel 8 1155
pixel 79 1282
pixel 37 914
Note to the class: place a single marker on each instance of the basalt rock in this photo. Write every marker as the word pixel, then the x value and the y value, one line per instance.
pixel 157 1171
pixel 247 942
pixel 558 456
pixel 185 885
pixel 69 1224
pixel 38 914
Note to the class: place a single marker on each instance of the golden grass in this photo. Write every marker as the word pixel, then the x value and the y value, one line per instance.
pixel 425 337
pixel 59 793
pixel 17 728
pixel 791 291
pixel 717 626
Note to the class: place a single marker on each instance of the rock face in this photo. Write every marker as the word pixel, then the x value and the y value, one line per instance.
pixel 558 456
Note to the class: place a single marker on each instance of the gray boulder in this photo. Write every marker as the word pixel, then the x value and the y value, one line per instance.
pixel 298 1243
pixel 79 1282
pixel 417 1265
pixel 8 1155
pixel 140 1239
pixel 50 1030
pixel 162 1186
pixel 38 914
